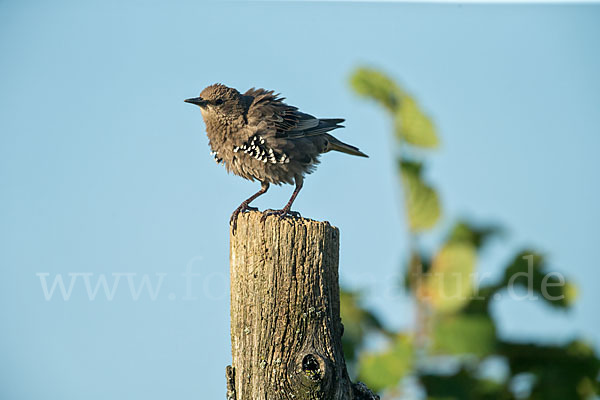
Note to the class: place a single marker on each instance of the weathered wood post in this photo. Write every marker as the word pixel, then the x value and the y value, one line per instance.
pixel 285 312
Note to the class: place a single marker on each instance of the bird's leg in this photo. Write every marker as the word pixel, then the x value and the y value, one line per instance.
pixel 286 210
pixel 245 206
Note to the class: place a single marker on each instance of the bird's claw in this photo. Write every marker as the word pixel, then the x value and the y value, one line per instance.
pixel 242 208
pixel 281 213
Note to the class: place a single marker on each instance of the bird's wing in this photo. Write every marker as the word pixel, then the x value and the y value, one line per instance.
pixel 273 118
pixel 269 114
pixel 312 126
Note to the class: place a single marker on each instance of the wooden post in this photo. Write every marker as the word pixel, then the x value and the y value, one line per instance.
pixel 285 312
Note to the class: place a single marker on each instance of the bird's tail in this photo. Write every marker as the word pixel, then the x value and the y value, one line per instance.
pixel 337 145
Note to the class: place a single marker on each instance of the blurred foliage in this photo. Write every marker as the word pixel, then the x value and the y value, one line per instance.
pixel 384 369
pixel 455 333
pixel 476 235
pixel 411 125
pixel 448 285
pixel 377 86
pixel 560 372
pixel 421 200
pixel 357 321
pixel 463 334
pixel 463 385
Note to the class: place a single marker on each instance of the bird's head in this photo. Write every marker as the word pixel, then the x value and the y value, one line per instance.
pixel 219 101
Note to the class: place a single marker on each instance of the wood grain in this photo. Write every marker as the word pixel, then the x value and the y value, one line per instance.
pixel 285 312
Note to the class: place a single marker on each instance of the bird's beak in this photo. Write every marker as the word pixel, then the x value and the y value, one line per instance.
pixel 199 101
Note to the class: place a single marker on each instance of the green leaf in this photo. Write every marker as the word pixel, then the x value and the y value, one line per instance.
pixel 368 82
pixel 463 334
pixel 478 236
pixel 381 370
pixel 448 285
pixel 421 201
pixel 410 122
pixel 480 300
pixel 463 385
pixel 417 265
pixel 358 322
pixel 413 126
pixel 528 270
pixel 561 372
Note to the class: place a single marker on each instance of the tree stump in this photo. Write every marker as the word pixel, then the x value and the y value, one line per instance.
pixel 285 312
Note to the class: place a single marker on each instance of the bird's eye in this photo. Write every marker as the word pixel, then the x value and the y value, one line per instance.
pixel 218 102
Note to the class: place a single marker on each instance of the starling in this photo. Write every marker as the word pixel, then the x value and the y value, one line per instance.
pixel 257 136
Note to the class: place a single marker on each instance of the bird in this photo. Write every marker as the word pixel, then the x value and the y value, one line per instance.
pixel 257 136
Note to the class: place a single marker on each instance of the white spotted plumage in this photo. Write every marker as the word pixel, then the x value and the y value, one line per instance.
pixel 257 148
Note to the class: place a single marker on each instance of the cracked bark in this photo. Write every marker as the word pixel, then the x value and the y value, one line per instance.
pixel 285 312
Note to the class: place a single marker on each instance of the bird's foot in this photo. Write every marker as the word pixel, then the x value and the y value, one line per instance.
pixel 242 208
pixel 281 213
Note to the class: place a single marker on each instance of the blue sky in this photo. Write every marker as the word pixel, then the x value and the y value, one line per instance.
pixel 105 170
